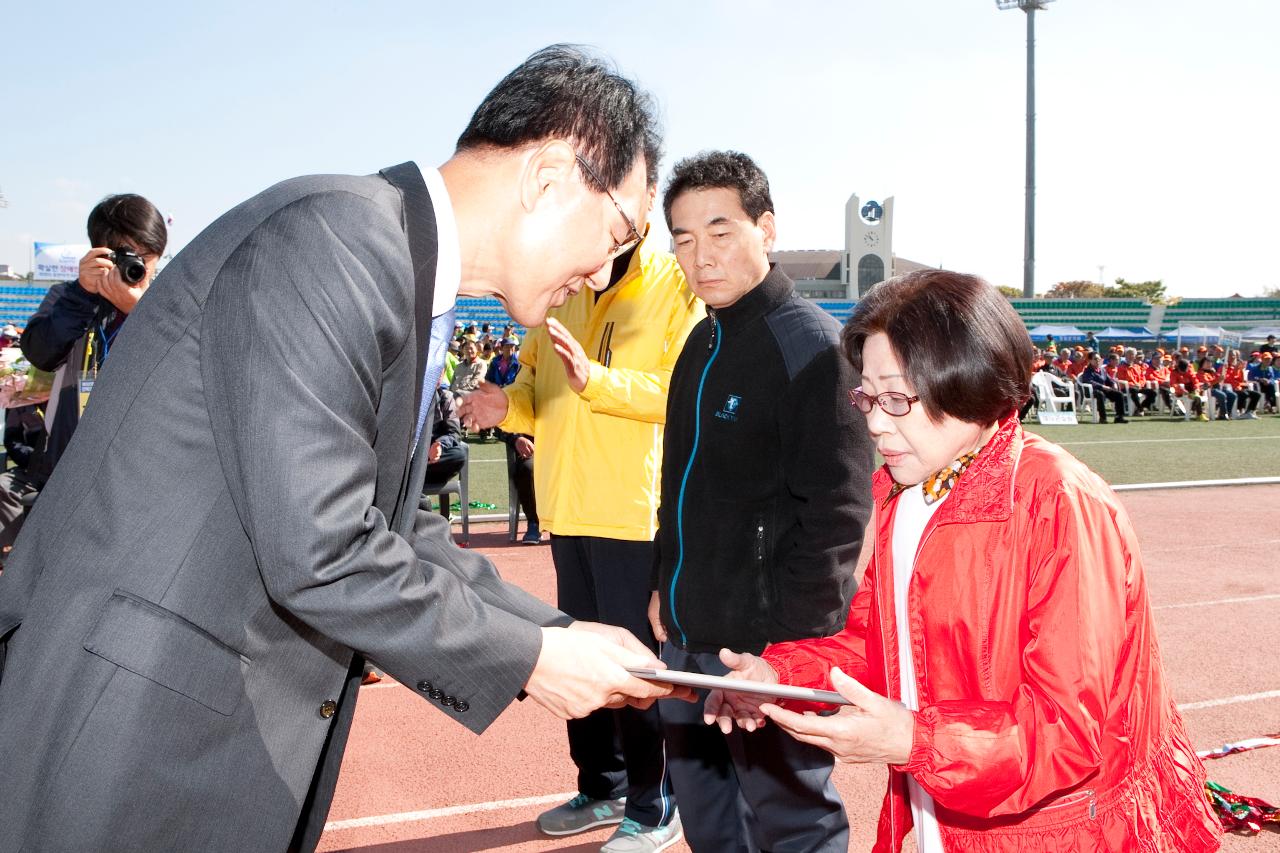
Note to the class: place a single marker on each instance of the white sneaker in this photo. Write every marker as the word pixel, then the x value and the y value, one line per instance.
pixel 632 837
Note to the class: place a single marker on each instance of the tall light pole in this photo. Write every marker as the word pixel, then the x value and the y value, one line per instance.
pixel 1029 234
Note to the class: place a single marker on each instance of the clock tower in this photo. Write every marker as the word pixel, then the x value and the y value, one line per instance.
pixel 868 245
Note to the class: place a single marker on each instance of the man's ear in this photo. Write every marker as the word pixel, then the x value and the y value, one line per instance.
pixel 547 168
pixel 769 227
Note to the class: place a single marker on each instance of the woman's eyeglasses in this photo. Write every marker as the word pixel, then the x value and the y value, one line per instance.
pixel 891 402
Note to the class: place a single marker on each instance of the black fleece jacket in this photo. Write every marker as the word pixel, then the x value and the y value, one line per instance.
pixel 766 477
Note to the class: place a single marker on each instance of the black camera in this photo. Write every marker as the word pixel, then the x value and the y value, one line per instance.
pixel 133 268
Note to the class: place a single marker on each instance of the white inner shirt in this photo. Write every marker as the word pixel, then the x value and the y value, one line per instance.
pixel 448 250
pixel 909 522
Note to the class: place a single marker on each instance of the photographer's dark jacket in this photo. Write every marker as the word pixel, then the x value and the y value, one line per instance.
pixel 69 323
pixel 766 477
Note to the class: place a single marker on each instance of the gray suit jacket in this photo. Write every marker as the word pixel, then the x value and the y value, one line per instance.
pixel 183 619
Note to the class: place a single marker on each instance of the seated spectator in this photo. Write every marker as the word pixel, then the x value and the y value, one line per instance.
pixel 520 473
pixel 469 371
pixel 1264 373
pixel 1269 346
pixel 503 368
pixel 1158 370
pixel 1132 375
pixel 502 371
pixel 1063 362
pixel 1078 363
pixel 1209 380
pixel 1233 378
pixel 1104 389
pixel 24 433
pixel 1185 383
pixel 446 454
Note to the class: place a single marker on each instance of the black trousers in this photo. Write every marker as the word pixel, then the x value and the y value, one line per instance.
pixel 1101 395
pixel 747 792
pixel 617 752
pixel 441 471
pixel 1143 398
pixel 520 473
pixel 1268 391
pixel 1248 399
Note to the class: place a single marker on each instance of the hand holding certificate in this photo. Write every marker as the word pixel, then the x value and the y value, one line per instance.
pixel 762 689
pixel 737 697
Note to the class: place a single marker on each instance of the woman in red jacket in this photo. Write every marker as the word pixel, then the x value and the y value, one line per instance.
pixel 1233 377
pixel 1001 652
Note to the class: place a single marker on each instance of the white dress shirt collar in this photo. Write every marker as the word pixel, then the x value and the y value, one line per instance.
pixel 448 250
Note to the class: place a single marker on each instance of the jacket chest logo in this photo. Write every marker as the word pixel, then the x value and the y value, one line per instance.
pixel 729 411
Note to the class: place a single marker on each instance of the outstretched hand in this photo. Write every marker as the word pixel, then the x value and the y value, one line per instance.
pixel 483 408
pixel 872 729
pixel 584 668
pixel 725 707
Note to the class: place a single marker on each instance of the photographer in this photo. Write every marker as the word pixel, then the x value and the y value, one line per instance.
pixel 78 321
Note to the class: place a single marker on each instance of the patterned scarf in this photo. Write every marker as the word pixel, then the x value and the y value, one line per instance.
pixel 940 483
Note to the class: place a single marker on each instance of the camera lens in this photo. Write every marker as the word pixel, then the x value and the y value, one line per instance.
pixel 133 270
pixel 131 266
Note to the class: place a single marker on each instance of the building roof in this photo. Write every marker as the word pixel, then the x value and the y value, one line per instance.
pixel 809 263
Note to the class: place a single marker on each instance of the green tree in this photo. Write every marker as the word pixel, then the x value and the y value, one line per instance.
pixel 1076 290
pixel 1152 291
pixel 1009 292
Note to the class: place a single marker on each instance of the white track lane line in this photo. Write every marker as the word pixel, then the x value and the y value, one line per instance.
pixel 1166 440
pixel 1230 700
pixel 1181 549
pixel 1244 600
pixel 449 811
pixel 1196 484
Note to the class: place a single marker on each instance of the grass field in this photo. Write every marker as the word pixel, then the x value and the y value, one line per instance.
pixel 1145 450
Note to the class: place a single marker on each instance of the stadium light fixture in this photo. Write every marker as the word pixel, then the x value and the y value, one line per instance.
pixel 1029 233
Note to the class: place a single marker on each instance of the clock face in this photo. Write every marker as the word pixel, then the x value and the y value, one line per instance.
pixel 871 238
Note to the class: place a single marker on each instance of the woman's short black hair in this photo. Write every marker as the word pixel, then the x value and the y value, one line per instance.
pixel 565 92
pixel 710 170
pixel 965 351
pixel 128 217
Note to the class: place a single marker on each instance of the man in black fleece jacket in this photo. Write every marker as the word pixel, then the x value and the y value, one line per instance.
pixel 766 489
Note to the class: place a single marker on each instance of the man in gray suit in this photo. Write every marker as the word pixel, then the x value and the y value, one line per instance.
pixel 235 526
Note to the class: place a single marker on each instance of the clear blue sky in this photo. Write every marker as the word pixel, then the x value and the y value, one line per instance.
pixel 1157 131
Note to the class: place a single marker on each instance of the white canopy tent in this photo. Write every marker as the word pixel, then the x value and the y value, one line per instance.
pixel 1064 334
pixel 1115 333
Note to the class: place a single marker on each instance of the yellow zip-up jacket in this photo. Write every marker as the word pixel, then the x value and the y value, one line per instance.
pixel 597 458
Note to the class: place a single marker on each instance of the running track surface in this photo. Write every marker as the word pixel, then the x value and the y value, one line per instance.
pixel 413 781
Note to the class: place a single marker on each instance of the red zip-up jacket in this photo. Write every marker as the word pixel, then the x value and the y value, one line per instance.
pixel 1045 722
pixel 1233 375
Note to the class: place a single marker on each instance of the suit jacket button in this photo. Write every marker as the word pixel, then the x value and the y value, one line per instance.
pixel 424 686
pixel 461 706
pixel 448 701
pixel 436 695
pixel 327 708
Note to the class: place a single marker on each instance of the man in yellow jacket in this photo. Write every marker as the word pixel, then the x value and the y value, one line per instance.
pixel 592 390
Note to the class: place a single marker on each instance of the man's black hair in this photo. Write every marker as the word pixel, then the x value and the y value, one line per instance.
pixel 720 170
pixel 128 217
pixel 566 92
